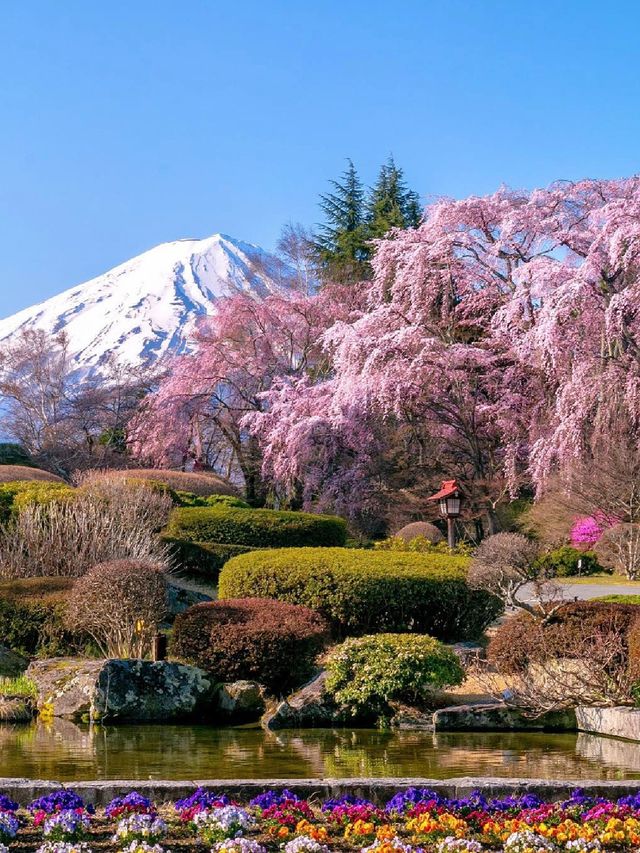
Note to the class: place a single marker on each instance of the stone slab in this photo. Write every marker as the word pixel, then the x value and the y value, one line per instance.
pixel 619 722
pixel 378 790
pixel 498 717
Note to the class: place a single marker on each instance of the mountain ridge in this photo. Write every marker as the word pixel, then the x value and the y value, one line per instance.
pixel 145 307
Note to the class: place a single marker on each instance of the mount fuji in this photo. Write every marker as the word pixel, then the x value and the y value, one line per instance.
pixel 146 307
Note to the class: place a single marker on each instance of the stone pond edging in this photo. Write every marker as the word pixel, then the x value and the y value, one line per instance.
pixel 99 793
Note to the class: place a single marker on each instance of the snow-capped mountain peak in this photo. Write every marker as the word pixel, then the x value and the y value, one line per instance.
pixel 146 307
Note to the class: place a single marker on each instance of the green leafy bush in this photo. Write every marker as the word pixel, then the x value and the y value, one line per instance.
pixel 362 591
pixel 563 563
pixel 367 673
pixel 422 545
pixel 32 613
pixel 14 454
pixel 257 528
pixel 189 499
pixel 202 558
pixel 271 642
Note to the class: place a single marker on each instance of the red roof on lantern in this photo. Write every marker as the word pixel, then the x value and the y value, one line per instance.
pixel 447 488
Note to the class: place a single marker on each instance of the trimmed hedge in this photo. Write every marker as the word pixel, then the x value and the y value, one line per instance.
pixel 32 612
pixel 17 495
pixel 257 528
pixel 271 642
pixel 361 591
pixel 202 558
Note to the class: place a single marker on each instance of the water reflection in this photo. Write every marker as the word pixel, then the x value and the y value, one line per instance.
pixel 64 751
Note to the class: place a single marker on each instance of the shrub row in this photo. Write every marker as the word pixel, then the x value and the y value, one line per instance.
pixel 16 495
pixel 268 641
pixel 202 558
pixel 257 528
pixel 362 591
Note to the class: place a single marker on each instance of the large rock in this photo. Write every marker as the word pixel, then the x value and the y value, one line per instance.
pixel 308 707
pixel 240 701
pixel 12 663
pixel 180 598
pixel 132 690
pixel 616 722
pixel 497 717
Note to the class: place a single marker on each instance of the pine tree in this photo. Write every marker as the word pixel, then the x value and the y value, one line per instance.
pixel 341 244
pixel 391 203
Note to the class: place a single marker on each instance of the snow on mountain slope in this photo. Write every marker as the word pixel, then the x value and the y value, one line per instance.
pixel 146 307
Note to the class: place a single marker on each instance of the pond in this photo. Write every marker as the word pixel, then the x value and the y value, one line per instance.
pixel 67 752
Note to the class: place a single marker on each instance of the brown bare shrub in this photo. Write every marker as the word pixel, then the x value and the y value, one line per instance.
pixel 503 564
pixel 584 653
pixel 199 483
pixel 66 538
pixel 619 549
pixel 14 473
pixel 119 604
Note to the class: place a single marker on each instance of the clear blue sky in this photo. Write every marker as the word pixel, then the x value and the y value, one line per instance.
pixel 125 123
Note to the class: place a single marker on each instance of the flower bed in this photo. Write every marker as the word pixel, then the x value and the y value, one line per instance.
pixel 415 819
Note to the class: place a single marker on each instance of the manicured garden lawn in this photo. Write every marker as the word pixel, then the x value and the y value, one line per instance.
pixel 602 580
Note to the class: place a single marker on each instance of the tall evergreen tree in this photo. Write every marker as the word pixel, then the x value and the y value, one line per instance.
pixel 341 244
pixel 391 203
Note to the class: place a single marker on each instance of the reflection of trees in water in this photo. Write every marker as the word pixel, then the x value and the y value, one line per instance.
pixel 57 749
pixel 62 750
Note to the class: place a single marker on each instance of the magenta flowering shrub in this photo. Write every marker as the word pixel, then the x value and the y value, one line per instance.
pixel 586 531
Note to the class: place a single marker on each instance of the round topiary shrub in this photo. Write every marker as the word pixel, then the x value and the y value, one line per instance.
pixel 32 617
pixel 271 642
pixel 366 674
pixel 420 528
pixel 119 604
pixel 362 591
pixel 257 528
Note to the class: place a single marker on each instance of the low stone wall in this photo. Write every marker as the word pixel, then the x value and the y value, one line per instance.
pixel 615 722
pixel 377 790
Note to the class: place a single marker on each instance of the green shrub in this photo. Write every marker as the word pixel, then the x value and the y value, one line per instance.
pixel 362 591
pixel 14 454
pixel 422 545
pixel 189 499
pixel 257 528
pixel 202 558
pixel 563 563
pixel 271 642
pixel 367 673
pixel 17 495
pixel 32 613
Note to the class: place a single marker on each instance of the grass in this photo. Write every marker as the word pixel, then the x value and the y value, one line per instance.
pixel 620 599
pixel 606 580
pixel 18 686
